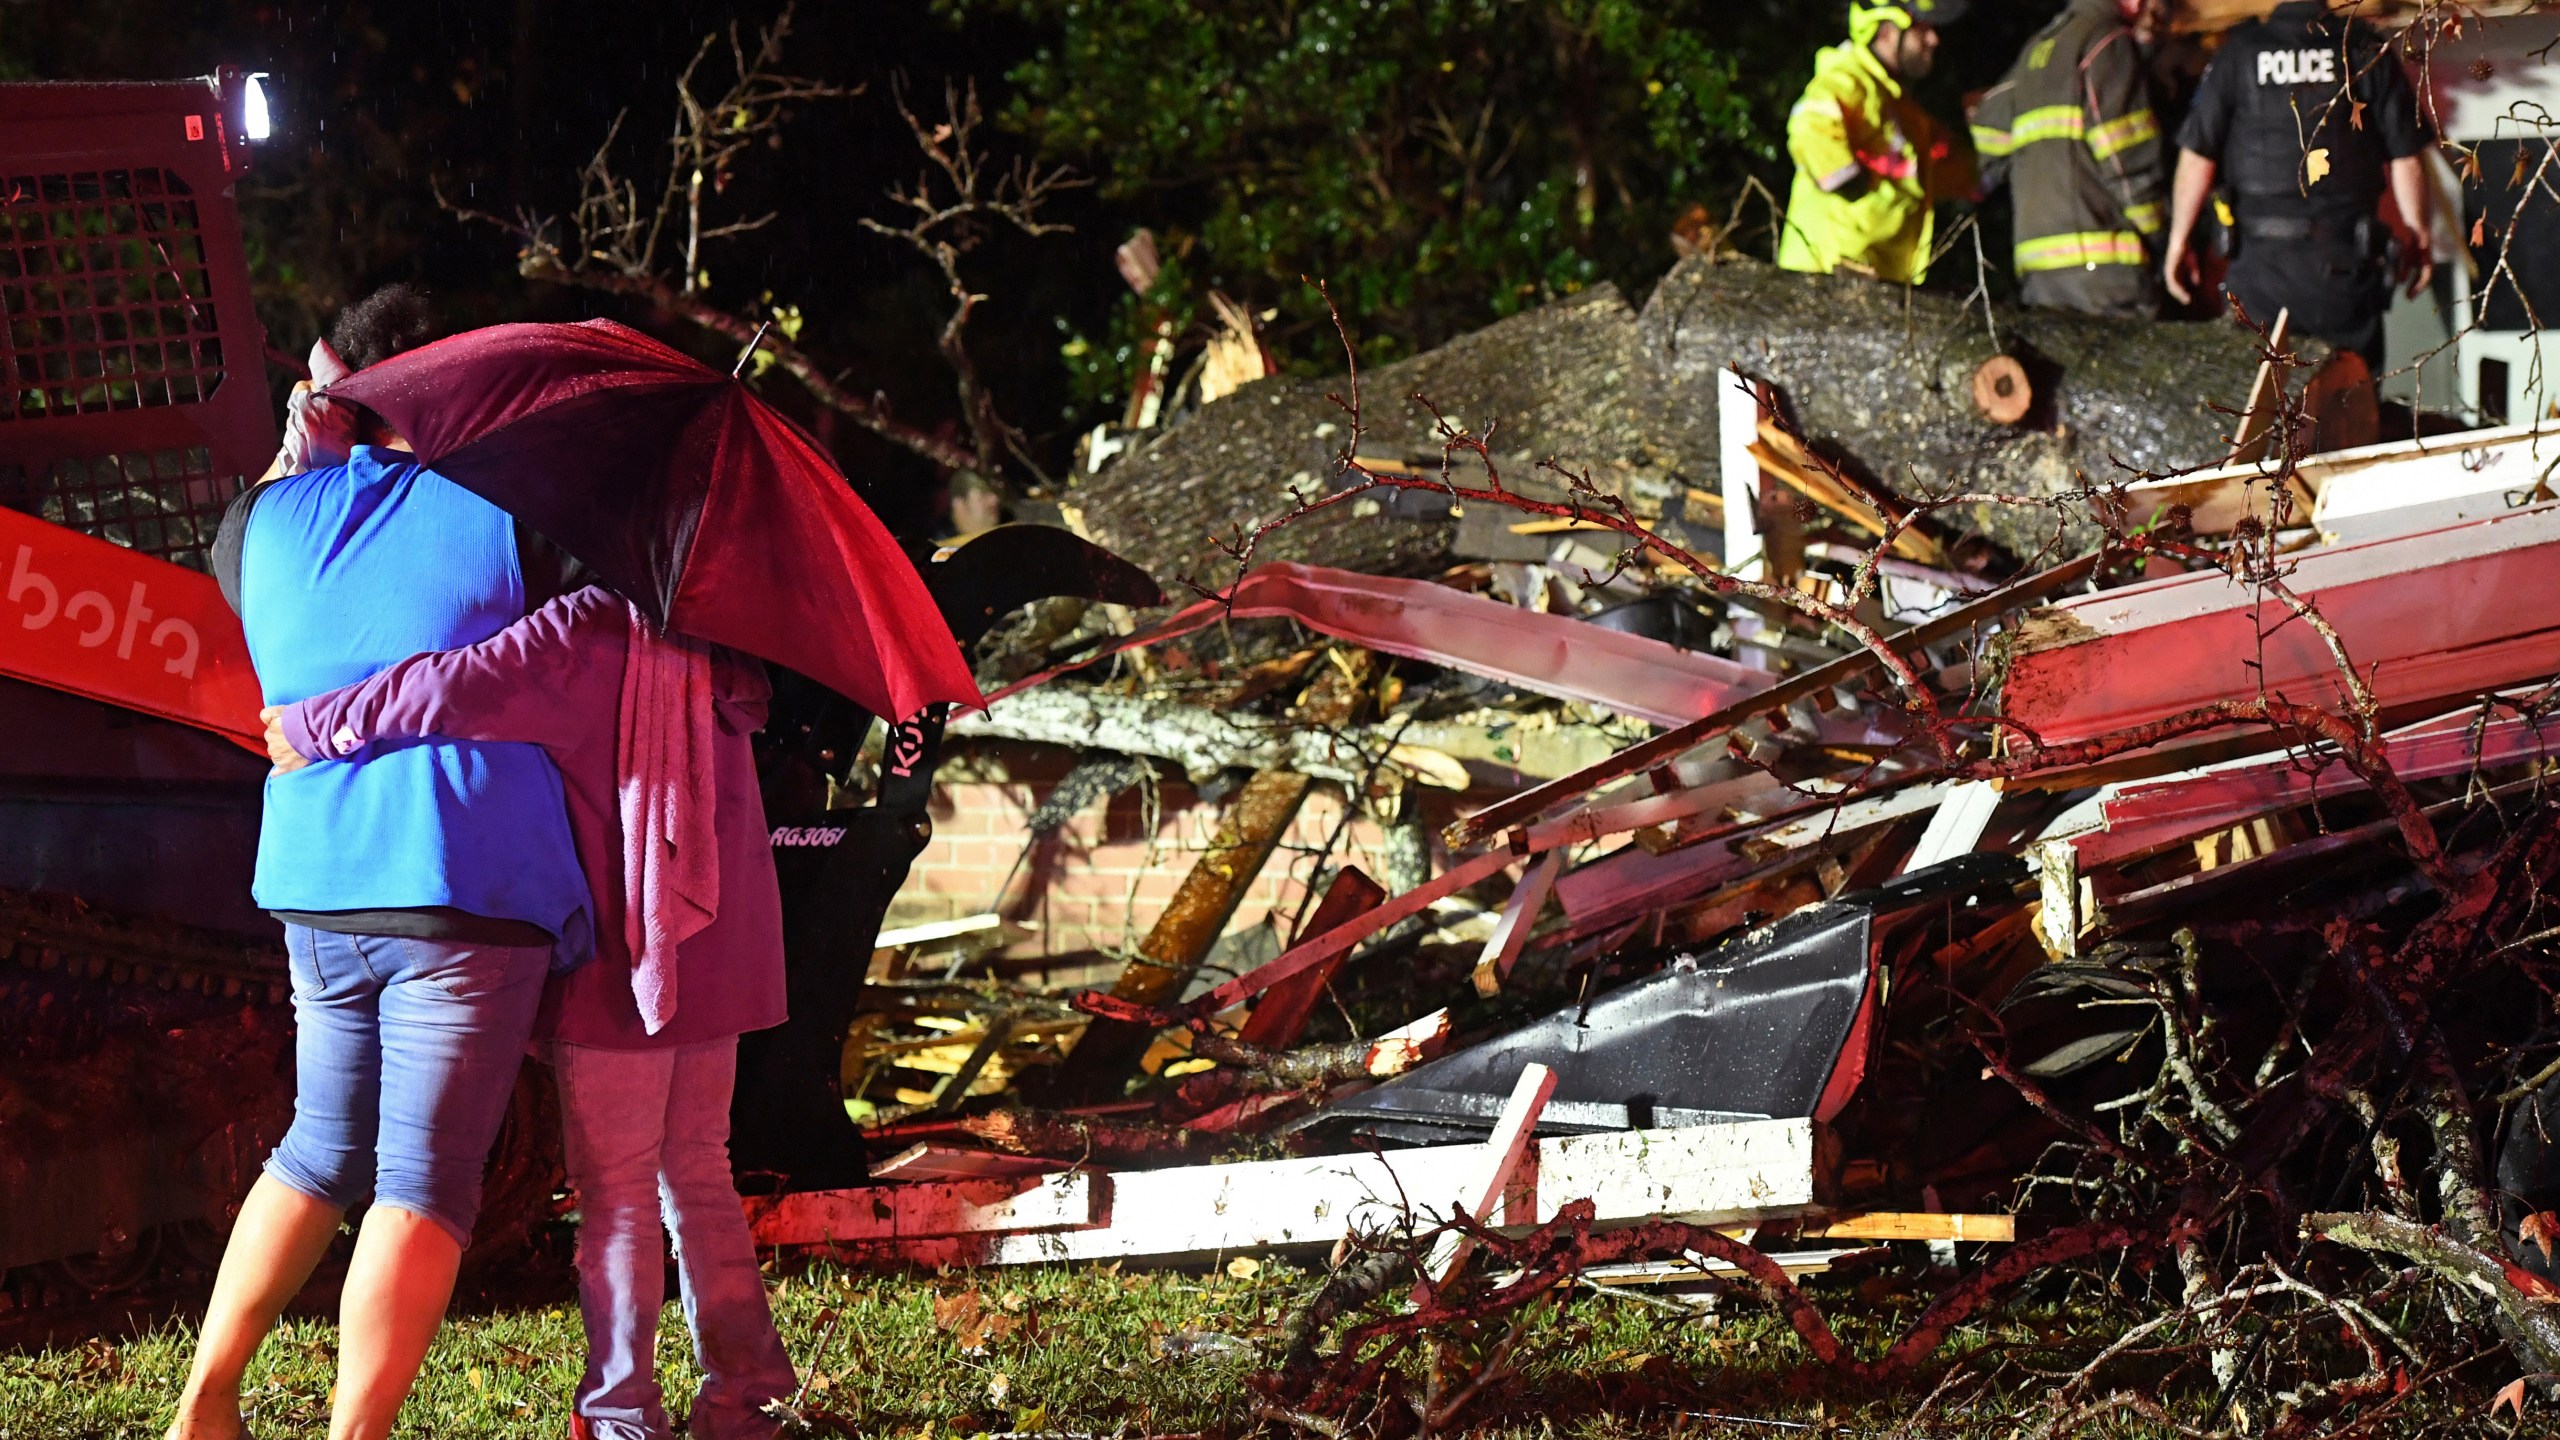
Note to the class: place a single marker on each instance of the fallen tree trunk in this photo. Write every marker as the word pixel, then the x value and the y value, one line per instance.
pixel 1554 381
pixel 1200 740
pixel 1879 378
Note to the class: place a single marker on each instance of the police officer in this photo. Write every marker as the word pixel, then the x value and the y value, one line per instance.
pixel 1871 165
pixel 2305 118
pixel 2071 131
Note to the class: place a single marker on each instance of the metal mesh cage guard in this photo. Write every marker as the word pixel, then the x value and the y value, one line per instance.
pixel 167 503
pixel 109 298
pixel 107 289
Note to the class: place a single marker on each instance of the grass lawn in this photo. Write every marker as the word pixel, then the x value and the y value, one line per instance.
pixel 1087 1350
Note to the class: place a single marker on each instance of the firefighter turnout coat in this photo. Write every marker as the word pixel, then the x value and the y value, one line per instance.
pixel 1871 166
pixel 2072 133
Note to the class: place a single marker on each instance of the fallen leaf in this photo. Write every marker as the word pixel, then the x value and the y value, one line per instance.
pixel 473 1375
pixel 957 1312
pixel 2540 1229
pixel 2511 1396
pixel 1243 1267
pixel 2316 165
pixel 999 1386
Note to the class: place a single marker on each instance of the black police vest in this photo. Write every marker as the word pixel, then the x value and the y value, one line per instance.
pixel 2293 89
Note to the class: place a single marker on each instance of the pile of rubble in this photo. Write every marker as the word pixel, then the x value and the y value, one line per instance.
pixel 1881 865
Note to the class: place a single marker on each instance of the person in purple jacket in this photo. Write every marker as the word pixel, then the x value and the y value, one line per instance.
pixel 650 734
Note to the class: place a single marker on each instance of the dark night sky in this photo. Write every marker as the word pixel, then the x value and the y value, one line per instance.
pixel 505 99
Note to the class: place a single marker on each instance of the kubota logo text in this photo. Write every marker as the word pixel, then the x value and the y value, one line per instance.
pixel 97 620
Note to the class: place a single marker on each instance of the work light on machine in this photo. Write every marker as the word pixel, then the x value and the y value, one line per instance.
pixel 254 120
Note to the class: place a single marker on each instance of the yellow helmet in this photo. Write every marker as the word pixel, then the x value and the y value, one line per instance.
pixel 1868 16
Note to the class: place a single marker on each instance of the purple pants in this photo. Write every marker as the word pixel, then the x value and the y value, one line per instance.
pixel 647 1133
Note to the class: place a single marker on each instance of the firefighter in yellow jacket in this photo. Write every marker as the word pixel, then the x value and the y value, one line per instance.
pixel 2071 131
pixel 1871 165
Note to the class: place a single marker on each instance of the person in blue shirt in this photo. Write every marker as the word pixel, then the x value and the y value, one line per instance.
pixel 426 893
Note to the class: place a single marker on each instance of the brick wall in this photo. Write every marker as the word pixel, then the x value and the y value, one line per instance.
pixel 1100 882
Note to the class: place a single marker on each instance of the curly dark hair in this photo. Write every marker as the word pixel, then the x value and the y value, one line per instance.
pixel 394 318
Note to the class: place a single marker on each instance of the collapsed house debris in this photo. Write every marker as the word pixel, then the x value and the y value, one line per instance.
pixel 1920 819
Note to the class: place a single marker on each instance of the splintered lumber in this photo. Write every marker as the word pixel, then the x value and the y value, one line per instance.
pixel 1308 954
pixel 2397 488
pixel 1907 1225
pixel 2145 815
pixel 1707 1174
pixel 2427 617
pixel 1633 882
pixel 1799 470
pixel 1513 1132
pixel 1880 378
pixel 1280 1016
pixel 2417 485
pixel 928 1161
pixel 1671 744
pixel 1519 917
pixel 927 1210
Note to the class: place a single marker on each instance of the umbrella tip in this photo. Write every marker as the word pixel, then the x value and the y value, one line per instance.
pixel 749 353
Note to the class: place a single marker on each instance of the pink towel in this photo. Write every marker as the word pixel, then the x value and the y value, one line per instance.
pixel 664 781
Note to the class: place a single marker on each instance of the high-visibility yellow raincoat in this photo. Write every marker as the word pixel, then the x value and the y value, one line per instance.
pixel 1871 166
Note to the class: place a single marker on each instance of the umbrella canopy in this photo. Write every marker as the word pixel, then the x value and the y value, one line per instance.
pixel 683 492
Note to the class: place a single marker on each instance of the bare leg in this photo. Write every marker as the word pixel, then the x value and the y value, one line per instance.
pixel 275 1244
pixel 397 1288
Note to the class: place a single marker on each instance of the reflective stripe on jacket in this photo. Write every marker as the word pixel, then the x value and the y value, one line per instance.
pixel 2071 131
pixel 1870 165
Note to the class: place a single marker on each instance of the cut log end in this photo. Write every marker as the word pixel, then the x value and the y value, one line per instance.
pixel 2001 390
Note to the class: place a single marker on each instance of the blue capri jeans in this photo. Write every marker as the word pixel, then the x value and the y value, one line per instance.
pixel 405 1052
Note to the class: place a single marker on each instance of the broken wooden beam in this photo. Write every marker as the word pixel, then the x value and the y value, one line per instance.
pixel 1708 1174
pixel 926 1160
pixel 1906 1225
pixel 926 1211
pixel 1519 917
pixel 1280 1016
pixel 1513 1133
pixel 2426 618
pixel 1671 744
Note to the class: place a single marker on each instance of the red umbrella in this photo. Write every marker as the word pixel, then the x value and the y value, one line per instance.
pixel 684 492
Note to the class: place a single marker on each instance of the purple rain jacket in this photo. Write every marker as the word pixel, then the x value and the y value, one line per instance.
pixel 554 679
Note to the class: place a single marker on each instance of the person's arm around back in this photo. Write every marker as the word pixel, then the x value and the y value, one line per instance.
pixel 537 682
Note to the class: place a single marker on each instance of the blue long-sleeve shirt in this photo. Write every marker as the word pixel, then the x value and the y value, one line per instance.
pixel 344 571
